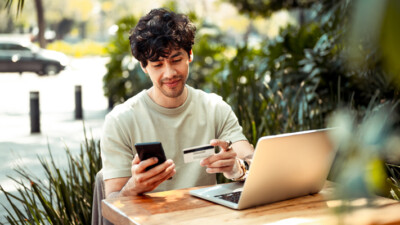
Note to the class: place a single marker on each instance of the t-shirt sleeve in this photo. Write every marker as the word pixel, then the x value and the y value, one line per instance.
pixel 229 128
pixel 116 152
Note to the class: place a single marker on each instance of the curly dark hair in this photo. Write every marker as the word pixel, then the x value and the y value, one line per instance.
pixel 160 31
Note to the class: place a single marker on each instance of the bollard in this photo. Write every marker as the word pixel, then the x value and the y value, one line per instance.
pixel 78 102
pixel 34 111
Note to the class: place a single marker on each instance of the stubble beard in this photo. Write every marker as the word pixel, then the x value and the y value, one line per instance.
pixel 173 92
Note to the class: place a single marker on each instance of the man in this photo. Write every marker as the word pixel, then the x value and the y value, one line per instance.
pixel 172 113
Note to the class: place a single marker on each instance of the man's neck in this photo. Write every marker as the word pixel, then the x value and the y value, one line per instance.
pixel 165 101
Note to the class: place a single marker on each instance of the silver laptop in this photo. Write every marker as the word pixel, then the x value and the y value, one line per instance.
pixel 284 166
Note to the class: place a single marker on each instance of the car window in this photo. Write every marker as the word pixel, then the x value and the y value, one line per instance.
pixel 17 47
pixel 3 46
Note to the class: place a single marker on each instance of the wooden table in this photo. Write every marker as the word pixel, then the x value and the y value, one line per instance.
pixel 178 207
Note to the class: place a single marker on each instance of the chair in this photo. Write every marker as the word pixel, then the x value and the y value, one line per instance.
pixel 98 195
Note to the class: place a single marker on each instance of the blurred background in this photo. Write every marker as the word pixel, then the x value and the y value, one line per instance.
pixel 283 66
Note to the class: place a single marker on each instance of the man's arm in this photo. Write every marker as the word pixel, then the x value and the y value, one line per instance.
pixel 141 180
pixel 114 186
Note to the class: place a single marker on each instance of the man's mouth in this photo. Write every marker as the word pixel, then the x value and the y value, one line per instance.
pixel 172 83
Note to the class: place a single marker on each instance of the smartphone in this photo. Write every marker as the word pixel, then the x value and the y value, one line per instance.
pixel 151 149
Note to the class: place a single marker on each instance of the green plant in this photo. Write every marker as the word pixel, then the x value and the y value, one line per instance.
pixel 261 95
pixel 256 8
pixel 65 197
pixel 367 141
pixel 208 50
pixel 124 77
pixel 394 180
pixel 262 105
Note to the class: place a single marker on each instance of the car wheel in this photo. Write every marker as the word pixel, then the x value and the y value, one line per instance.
pixel 50 69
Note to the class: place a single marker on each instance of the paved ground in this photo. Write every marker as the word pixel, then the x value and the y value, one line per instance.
pixel 58 126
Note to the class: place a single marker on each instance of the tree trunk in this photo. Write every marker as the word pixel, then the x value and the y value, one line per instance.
pixel 41 23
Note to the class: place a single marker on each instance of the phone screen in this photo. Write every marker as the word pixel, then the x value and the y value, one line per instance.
pixel 151 149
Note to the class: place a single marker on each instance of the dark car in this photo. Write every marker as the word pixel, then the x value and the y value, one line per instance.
pixel 27 57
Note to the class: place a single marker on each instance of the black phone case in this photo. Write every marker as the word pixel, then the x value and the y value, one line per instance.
pixel 151 149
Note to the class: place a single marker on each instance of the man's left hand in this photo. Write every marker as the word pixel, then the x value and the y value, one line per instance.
pixel 223 162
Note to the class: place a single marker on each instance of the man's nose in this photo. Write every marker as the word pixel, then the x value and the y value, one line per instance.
pixel 170 71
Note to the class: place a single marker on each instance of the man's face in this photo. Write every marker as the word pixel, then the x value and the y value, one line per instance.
pixel 169 74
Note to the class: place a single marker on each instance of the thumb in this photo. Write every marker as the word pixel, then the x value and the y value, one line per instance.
pixel 136 160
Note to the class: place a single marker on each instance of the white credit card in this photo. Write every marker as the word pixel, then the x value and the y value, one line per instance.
pixel 197 153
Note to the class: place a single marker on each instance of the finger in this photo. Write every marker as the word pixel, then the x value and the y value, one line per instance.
pixel 206 161
pixel 169 172
pixel 220 156
pixel 164 168
pixel 219 169
pixel 222 163
pixel 224 145
pixel 147 180
pixel 157 170
pixel 210 159
pixel 135 164
pixel 135 160
pixel 146 163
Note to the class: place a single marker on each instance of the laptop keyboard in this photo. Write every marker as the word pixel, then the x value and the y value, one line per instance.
pixel 231 197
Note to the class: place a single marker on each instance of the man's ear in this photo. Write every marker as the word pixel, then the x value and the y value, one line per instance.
pixel 143 68
pixel 191 56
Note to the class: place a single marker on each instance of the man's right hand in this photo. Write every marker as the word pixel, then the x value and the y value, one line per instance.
pixel 144 181
pixel 141 180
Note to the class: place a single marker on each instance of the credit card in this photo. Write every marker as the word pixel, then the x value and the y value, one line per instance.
pixel 197 153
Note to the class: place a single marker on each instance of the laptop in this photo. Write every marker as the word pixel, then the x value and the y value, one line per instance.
pixel 284 166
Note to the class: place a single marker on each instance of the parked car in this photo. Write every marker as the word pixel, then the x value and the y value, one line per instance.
pixel 17 56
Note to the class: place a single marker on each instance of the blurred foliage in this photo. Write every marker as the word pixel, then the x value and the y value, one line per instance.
pixel 80 12
pixel 263 105
pixel 389 38
pixel 64 197
pixel 369 159
pixel 366 143
pixel 394 180
pixel 373 48
pixel 20 5
pixel 124 77
pixel 265 8
pixel 80 49
pixel 208 54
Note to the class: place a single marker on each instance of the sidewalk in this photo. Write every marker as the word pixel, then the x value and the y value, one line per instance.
pixel 59 129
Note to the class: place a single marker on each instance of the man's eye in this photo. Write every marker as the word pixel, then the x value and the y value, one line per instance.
pixel 157 65
pixel 176 60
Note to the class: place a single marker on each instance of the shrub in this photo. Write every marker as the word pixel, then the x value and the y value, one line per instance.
pixel 367 144
pixel 124 77
pixel 65 197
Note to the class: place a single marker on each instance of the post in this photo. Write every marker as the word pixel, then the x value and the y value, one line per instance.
pixel 34 111
pixel 78 102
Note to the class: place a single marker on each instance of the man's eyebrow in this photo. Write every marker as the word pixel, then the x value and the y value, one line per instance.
pixel 175 55
pixel 172 56
pixel 156 60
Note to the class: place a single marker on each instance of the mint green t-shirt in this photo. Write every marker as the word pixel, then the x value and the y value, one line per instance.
pixel 202 117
